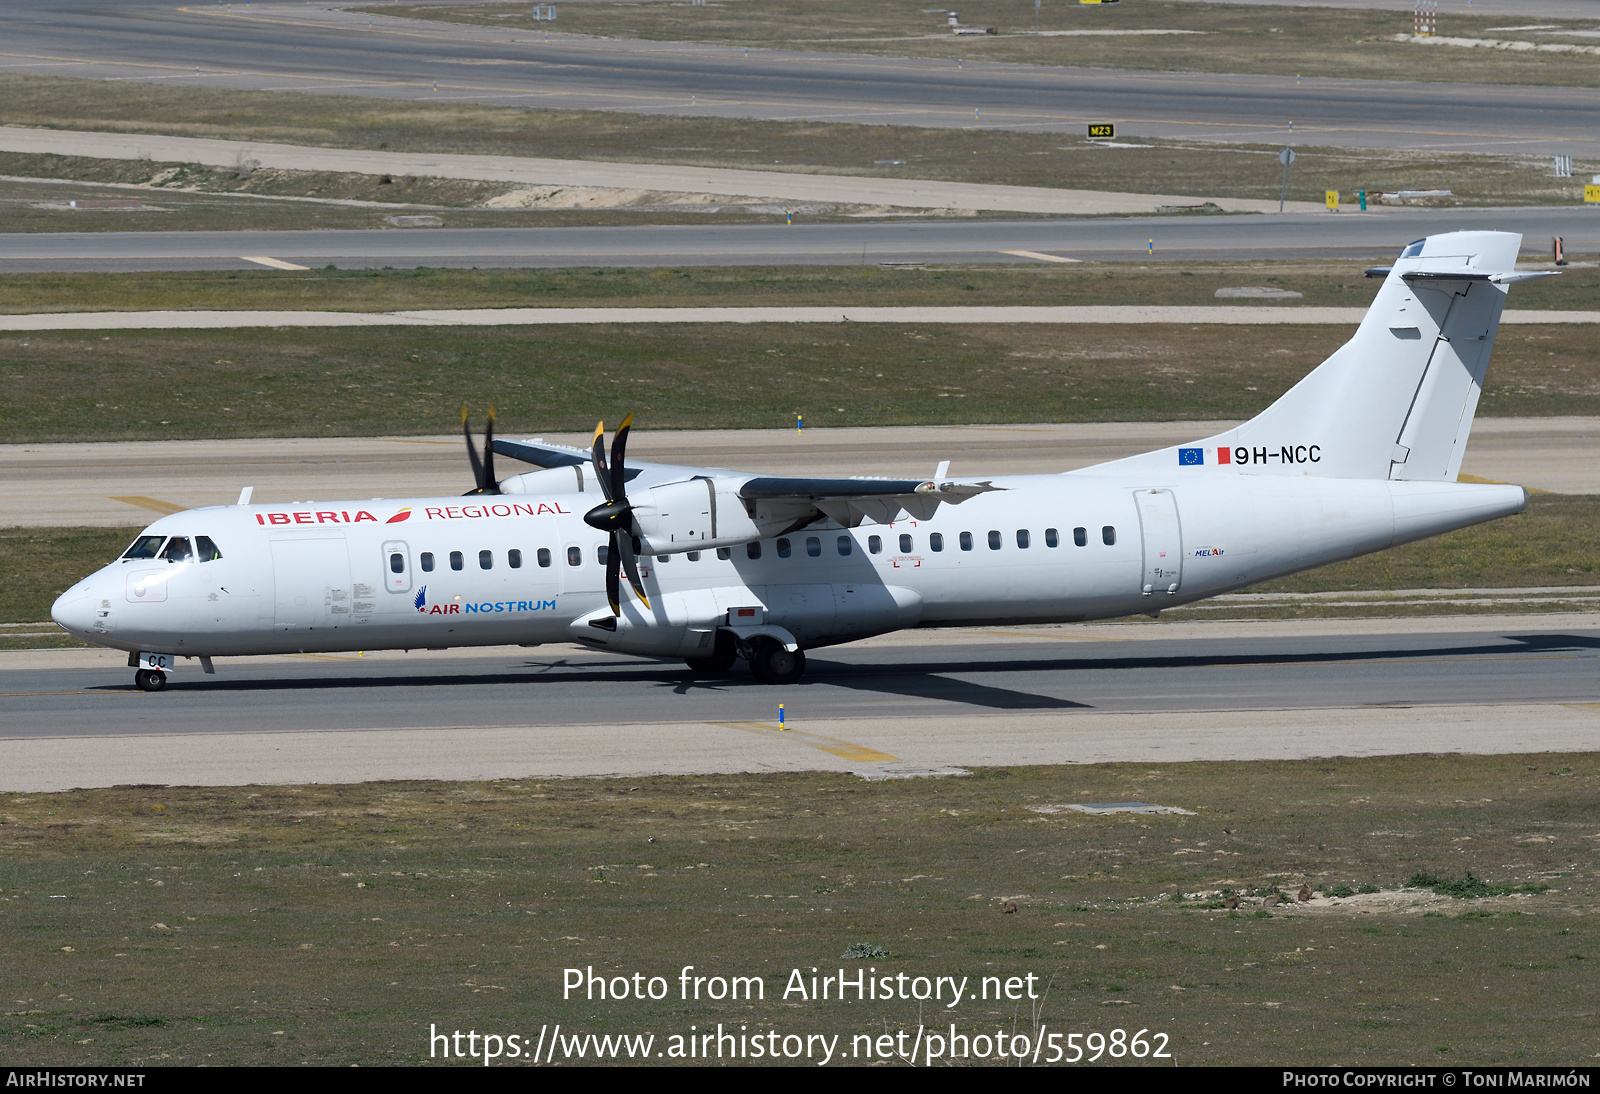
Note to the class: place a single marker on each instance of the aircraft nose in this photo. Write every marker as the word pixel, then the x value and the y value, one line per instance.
pixel 74 610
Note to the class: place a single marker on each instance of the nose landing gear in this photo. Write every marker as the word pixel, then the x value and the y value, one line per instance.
pixel 150 679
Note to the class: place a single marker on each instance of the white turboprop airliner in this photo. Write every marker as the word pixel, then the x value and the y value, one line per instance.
pixel 1360 455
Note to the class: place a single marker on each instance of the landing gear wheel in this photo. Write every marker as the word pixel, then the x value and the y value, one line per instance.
pixel 150 679
pixel 711 666
pixel 772 664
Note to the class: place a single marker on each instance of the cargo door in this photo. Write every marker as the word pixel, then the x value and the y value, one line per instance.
pixel 311 584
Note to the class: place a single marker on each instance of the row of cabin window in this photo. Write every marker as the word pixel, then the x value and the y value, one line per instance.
pixel 907 543
pixel 844 544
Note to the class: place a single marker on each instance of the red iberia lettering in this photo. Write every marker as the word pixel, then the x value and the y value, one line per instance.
pixel 327 518
pixel 278 518
pixel 259 520
pixel 364 515
pixel 303 518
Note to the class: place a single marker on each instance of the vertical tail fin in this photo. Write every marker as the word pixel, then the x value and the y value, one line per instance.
pixel 1397 400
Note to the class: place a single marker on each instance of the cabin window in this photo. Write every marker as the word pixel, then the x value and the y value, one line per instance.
pixel 544 557
pixel 813 546
pixel 1022 538
pixel 427 562
pixel 785 548
pixel 397 563
pixel 693 556
pixel 936 541
pixel 455 561
pixel 145 547
pixel 485 560
pixel 994 540
pixel 724 553
pixel 966 541
pixel 1108 536
pixel 514 559
pixel 205 550
pixel 843 543
pixel 874 545
pixel 574 556
pixel 1051 539
pixel 905 544
pixel 1080 536
pixel 663 559
pixel 752 549
pixel 602 554
pixel 178 550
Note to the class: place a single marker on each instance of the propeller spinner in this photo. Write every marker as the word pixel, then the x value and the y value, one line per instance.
pixel 615 516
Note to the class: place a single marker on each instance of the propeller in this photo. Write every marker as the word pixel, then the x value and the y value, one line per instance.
pixel 482 470
pixel 615 517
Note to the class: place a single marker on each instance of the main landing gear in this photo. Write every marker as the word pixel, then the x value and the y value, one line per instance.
pixel 772 664
pixel 711 666
pixel 150 679
pixel 769 662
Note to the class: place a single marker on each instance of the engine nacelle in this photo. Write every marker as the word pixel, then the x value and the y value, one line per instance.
pixel 698 513
pixel 552 480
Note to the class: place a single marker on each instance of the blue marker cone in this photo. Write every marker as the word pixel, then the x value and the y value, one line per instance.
pixel 780 716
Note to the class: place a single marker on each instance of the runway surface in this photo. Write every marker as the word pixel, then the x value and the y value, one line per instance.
pixel 890 707
pixel 1115 315
pixel 1521 9
pixel 1374 237
pixel 307 47
pixel 92 484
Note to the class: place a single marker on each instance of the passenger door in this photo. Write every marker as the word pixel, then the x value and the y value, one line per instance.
pixel 1163 541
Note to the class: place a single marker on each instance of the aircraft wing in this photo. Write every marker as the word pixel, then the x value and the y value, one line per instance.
pixel 850 501
pixel 787 501
pixel 540 453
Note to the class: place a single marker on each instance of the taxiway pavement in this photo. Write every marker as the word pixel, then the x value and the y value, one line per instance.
pixel 112 484
pixel 306 47
pixel 1376 237
pixel 891 707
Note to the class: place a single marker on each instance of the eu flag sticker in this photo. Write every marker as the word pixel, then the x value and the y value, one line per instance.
pixel 1191 457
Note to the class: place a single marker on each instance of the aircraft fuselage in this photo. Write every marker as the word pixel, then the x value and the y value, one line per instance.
pixel 441 572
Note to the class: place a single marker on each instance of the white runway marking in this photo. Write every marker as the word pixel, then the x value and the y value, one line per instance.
pixel 1041 256
pixel 275 263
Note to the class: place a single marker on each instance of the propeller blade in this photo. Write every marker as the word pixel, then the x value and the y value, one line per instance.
pixel 613 583
pixel 619 444
pixel 472 452
pixel 599 457
pixel 630 563
pixel 490 484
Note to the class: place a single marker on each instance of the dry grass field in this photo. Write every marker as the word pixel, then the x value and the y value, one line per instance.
pixel 1284 41
pixel 336 924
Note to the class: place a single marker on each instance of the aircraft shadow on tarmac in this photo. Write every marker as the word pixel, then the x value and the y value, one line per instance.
pixel 923 679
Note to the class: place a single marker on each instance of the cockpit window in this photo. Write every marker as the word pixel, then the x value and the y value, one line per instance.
pixel 205 550
pixel 178 550
pixel 145 547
